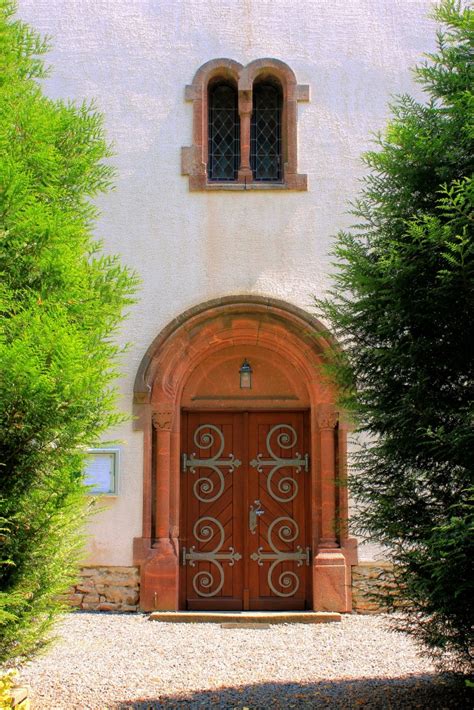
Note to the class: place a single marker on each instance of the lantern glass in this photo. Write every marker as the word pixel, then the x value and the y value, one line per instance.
pixel 245 376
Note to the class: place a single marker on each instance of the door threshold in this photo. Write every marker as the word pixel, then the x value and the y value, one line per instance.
pixel 246 617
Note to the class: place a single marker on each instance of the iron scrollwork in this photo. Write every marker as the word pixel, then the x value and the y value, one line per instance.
pixel 205 486
pixel 204 581
pixel 287 487
pixel 287 581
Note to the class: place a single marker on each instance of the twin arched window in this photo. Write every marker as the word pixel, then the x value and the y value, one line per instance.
pixel 244 127
pixel 224 157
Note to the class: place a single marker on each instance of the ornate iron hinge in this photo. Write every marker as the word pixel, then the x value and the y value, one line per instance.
pixel 300 556
pixel 208 583
pixel 192 463
pixel 286 489
pixel 286 439
pixel 301 463
pixel 192 557
pixel 204 439
pixel 207 489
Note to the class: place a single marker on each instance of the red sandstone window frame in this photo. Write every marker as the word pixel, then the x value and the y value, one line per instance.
pixel 194 158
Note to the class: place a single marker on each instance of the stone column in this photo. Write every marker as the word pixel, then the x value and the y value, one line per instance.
pixel 331 578
pixel 342 491
pixel 162 421
pixel 245 112
pixel 327 419
pixel 159 579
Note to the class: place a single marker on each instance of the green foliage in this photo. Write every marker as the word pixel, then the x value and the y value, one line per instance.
pixel 7 681
pixel 61 301
pixel 402 310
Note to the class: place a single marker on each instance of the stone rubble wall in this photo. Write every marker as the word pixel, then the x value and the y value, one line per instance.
pixel 107 589
pixel 367 577
pixel 118 588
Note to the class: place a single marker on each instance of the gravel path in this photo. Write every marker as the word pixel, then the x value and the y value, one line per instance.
pixel 106 661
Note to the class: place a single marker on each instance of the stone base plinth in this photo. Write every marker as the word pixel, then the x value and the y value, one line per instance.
pixel 331 575
pixel 160 578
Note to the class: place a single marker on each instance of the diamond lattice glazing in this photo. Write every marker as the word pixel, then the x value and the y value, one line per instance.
pixel 265 148
pixel 224 130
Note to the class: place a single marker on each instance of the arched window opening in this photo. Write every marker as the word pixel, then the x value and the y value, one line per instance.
pixel 224 133
pixel 244 127
pixel 265 133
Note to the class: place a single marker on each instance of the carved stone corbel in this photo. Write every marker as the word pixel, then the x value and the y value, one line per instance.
pixel 163 419
pixel 327 416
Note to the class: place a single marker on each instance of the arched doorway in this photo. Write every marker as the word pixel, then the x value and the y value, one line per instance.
pixel 206 544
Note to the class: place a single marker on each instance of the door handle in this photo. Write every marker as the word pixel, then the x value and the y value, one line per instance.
pixel 254 514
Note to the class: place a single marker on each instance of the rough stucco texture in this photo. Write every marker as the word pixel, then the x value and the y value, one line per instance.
pixel 134 57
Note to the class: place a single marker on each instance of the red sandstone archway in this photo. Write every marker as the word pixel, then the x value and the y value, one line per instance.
pixel 194 364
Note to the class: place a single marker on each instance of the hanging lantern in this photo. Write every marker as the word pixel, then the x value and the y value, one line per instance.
pixel 245 376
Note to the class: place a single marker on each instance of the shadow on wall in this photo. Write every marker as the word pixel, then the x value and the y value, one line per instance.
pixel 409 692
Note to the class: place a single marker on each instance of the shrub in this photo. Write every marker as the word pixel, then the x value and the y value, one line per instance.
pixel 402 310
pixel 61 303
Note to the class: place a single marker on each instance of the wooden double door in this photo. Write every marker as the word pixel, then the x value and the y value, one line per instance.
pixel 245 518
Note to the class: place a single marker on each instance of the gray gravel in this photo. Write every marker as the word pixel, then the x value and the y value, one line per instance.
pixel 105 661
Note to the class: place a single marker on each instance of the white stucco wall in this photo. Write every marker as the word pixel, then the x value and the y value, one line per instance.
pixel 134 57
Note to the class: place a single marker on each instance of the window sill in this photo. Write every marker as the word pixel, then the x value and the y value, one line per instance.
pixel 294 181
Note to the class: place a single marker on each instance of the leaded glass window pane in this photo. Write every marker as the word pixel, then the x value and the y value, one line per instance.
pixel 224 133
pixel 265 140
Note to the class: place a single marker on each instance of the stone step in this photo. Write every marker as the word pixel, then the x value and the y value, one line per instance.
pixel 246 617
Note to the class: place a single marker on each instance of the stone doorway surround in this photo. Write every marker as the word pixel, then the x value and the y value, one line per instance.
pixel 193 364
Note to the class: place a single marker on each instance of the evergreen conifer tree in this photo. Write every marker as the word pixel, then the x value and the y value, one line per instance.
pixel 402 309
pixel 61 303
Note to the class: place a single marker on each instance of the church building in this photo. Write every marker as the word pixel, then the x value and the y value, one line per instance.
pixel 237 128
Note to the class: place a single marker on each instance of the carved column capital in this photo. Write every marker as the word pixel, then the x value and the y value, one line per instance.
pixel 245 101
pixel 163 419
pixel 326 416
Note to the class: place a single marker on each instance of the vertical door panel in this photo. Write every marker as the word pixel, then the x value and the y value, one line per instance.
pixel 278 556
pixel 213 511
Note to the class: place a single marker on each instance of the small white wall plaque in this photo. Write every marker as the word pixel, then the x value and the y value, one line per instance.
pixel 101 471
